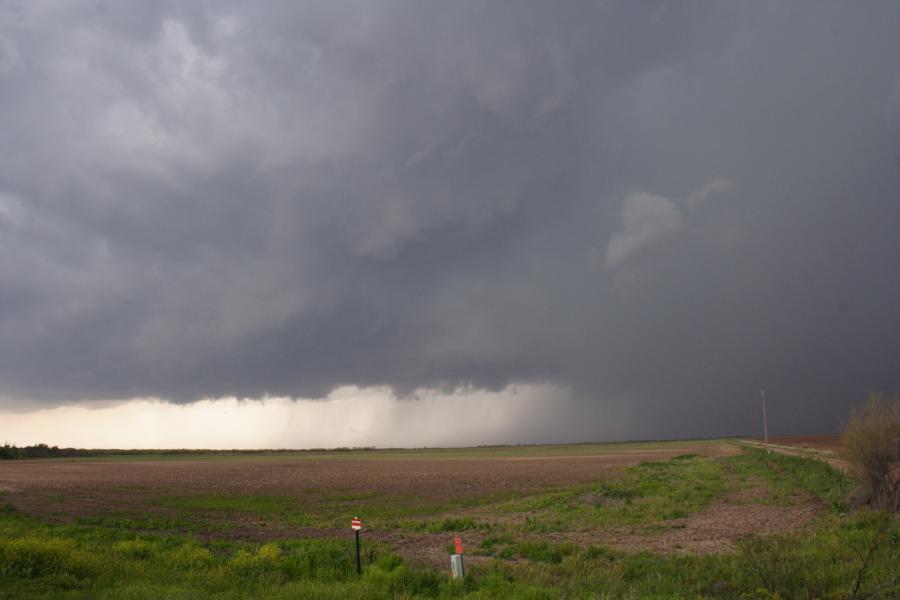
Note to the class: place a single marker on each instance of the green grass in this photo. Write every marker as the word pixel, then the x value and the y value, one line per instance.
pixel 644 495
pixel 217 509
pixel 196 511
pixel 141 556
pixel 38 560
pixel 447 525
pixel 133 521
pixel 788 474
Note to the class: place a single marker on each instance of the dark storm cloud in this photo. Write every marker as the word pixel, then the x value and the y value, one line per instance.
pixel 663 206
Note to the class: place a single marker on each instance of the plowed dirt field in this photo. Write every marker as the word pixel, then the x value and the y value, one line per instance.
pixel 414 498
pixel 83 486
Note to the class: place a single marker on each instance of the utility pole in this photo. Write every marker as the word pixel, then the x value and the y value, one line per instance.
pixel 762 392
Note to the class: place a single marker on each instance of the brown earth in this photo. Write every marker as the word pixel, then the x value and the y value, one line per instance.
pixel 433 479
pixel 744 511
pixel 830 442
pixel 728 520
pixel 64 490
pixel 716 529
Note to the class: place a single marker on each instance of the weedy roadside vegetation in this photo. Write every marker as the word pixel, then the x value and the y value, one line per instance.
pixel 871 446
pixel 842 554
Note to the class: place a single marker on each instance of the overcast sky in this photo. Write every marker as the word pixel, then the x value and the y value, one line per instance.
pixel 599 219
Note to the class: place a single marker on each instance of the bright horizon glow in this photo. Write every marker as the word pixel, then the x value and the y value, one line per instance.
pixel 349 416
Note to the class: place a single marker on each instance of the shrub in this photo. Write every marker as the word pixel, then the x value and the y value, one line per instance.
pixel 190 556
pixel 400 581
pixel 319 560
pixel 457 524
pixel 34 557
pixel 871 442
pixel 133 549
pixel 252 565
pixel 601 552
pixel 543 551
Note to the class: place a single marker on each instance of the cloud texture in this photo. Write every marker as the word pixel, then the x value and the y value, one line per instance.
pixel 662 206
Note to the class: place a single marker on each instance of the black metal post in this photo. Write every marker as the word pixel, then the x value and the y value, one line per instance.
pixel 358 563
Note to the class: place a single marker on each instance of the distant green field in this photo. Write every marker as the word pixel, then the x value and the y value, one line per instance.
pixel 543 544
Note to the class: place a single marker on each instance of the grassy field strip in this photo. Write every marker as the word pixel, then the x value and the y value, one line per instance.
pixel 825 456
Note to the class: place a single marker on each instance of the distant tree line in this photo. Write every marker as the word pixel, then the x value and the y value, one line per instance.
pixel 11 451
pixel 8 452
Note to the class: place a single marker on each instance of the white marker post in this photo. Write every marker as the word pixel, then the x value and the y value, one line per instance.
pixel 356 525
pixel 456 560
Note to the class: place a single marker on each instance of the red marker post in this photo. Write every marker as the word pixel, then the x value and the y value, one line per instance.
pixel 356 525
